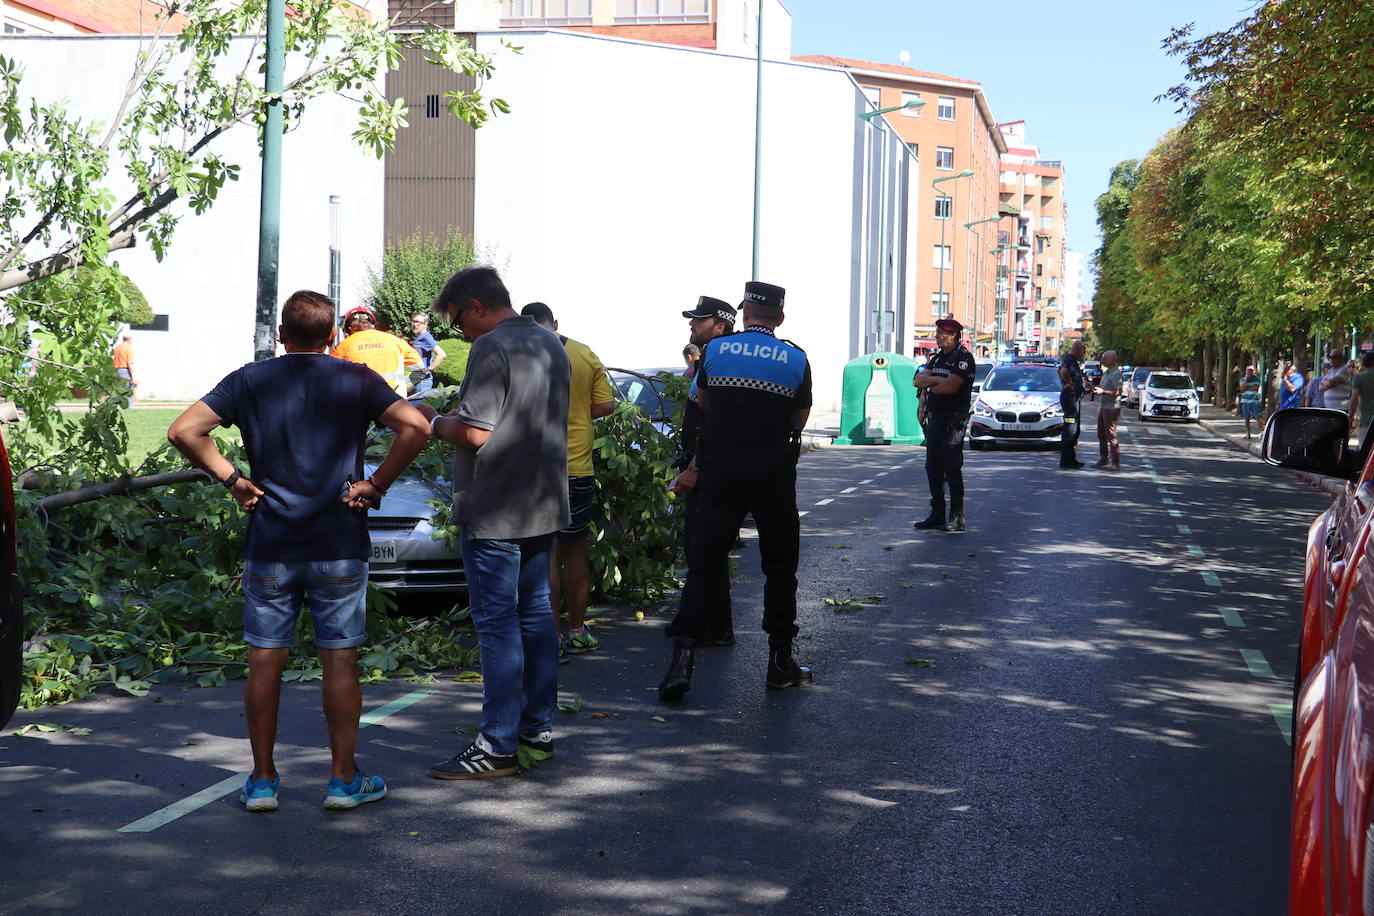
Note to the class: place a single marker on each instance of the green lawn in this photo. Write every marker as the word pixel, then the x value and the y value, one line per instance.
pixel 148 431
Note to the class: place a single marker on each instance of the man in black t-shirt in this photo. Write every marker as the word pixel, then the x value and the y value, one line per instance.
pixel 1070 400
pixel 946 385
pixel 303 417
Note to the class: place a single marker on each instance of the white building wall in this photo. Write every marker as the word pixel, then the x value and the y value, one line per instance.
pixel 1074 262
pixel 207 284
pixel 618 201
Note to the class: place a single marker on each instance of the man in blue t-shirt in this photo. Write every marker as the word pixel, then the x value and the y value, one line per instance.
pixel 303 417
pixel 430 352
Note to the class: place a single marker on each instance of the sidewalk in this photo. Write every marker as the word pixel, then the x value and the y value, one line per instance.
pixel 1231 427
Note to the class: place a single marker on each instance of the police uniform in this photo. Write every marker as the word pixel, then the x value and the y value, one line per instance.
pixel 946 420
pixel 1070 404
pixel 747 459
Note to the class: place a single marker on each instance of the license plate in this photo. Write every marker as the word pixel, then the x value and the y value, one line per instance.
pixel 1020 426
pixel 384 551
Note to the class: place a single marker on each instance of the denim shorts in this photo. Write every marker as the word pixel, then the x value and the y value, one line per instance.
pixel 581 499
pixel 273 593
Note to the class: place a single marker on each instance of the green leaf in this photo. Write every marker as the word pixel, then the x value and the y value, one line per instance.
pixel 468 676
pixel 921 662
pixel 572 706
pixel 657 719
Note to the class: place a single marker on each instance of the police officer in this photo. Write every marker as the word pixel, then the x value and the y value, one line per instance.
pixel 946 385
pixel 754 391
pixel 710 319
pixel 1070 401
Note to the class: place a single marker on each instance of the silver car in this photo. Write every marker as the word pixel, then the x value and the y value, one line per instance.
pixel 1018 403
pixel 406 555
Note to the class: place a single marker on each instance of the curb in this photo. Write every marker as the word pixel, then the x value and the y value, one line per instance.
pixel 1330 484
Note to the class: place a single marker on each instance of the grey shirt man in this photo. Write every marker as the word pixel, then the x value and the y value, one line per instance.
pixel 1111 381
pixel 516 385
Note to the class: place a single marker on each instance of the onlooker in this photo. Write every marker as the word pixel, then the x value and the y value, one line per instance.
pixel 431 354
pixel 1291 383
pixel 691 355
pixel 1362 396
pixel 1250 397
pixel 386 354
pixel 1109 413
pixel 307 534
pixel 123 357
pixel 510 494
pixel 1335 385
pixel 1070 403
pixel 589 397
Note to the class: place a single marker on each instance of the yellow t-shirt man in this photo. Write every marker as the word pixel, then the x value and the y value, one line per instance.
pixel 590 385
pixel 385 354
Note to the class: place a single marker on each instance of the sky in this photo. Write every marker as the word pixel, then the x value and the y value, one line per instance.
pixel 1082 74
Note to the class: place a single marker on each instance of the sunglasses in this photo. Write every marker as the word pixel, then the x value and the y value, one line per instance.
pixel 456 321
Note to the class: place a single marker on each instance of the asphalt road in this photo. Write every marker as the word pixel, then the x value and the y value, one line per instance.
pixel 1100 729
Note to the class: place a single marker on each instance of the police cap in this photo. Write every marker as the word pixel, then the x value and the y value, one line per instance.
pixel 764 294
pixel 949 325
pixel 707 307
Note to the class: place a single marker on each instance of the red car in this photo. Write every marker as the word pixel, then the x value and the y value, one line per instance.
pixel 11 604
pixel 1332 849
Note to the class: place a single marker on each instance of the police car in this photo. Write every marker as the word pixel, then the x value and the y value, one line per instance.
pixel 1018 403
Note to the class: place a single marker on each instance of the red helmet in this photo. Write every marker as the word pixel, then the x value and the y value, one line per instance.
pixel 356 310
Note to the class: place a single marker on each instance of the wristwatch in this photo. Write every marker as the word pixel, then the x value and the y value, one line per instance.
pixel 433 421
pixel 232 479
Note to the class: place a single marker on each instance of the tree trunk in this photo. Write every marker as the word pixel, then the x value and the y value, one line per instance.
pixel 1206 365
pixel 1300 336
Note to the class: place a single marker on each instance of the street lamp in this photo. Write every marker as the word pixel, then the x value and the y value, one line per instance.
pixel 997 338
pixel 944 260
pixel 977 269
pixel 913 104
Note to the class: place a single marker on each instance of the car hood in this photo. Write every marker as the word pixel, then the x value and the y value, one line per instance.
pixel 1020 400
pixel 408 497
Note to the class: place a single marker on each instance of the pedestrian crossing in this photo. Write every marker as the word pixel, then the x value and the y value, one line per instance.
pixel 1168 431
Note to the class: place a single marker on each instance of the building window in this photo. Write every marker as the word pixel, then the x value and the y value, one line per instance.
pixel 911 97
pixel 944 157
pixel 874 96
pixel 1009 178
pixel 12 29
pixel 942 260
pixel 546 12
pixel 1039 270
pixel 1038 296
pixel 946 108
pixel 1039 244
pixel 939 304
pixel 915 149
pixel 1029 180
pixel 1047 222
pixel 432 106
pixel 641 11
pixel 942 208
pixel 1054 283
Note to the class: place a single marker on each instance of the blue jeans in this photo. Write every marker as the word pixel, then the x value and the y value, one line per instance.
pixel 274 591
pixel 508 589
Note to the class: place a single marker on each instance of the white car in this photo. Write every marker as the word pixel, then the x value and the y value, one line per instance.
pixel 1017 404
pixel 1169 396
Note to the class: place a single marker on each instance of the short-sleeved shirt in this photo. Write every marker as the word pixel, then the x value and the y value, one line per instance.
pixel 958 361
pixel 590 385
pixel 1291 398
pixel 303 417
pixel 1337 397
pixel 516 387
pixel 386 354
pixel 1250 389
pixel 124 355
pixel 425 345
pixel 1111 381
pixel 1363 384
pixel 1069 363
pixel 754 382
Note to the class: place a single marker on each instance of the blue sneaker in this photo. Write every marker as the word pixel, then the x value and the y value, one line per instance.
pixel 260 794
pixel 341 795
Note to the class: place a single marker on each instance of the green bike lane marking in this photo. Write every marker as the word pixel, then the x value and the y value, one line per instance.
pixel 164 816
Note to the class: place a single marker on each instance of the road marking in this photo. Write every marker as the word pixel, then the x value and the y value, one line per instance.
pixel 1182 529
pixel 1174 513
pixel 1196 551
pixel 865 482
pixel 908 461
pixel 882 474
pixel 800 514
pixel 1283 716
pixel 1162 489
pixel 825 502
pixel 1210 578
pixel 222 788
pixel 1257 663
pixel 849 489
pixel 1232 617
pixel 1167 501
pixel 895 467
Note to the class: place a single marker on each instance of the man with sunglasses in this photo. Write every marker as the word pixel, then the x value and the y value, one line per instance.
pixel 510 494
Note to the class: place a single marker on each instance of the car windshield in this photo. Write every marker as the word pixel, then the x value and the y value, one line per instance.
pixel 646 395
pixel 1023 378
pixel 1140 375
pixel 1171 381
pixel 981 370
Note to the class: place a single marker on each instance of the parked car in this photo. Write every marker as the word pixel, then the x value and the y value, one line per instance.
pixel 11 598
pixel 1331 854
pixel 406 557
pixel 1136 381
pixel 644 389
pixel 980 373
pixel 1168 396
pixel 1018 403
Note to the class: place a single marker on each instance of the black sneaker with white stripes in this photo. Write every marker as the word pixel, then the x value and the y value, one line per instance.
pixel 542 742
pixel 477 762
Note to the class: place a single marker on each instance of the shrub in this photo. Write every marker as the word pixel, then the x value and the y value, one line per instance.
pixel 455 364
pixel 121 294
pixel 411 274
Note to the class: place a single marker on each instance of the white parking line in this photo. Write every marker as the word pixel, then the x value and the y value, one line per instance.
pixel 881 474
pixel 803 512
pixel 849 489
pixel 865 482
pixel 825 502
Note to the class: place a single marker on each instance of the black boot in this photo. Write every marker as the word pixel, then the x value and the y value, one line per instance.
pixel 678 680
pixel 956 520
pixel 783 670
pixel 936 519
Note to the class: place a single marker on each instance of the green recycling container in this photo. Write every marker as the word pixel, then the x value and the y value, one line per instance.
pixel 878 403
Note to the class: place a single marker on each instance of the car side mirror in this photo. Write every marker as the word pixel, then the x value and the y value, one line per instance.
pixel 1310 439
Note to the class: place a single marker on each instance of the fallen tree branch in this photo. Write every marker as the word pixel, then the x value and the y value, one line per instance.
pixel 122 486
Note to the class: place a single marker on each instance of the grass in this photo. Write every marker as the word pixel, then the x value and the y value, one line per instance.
pixel 148 431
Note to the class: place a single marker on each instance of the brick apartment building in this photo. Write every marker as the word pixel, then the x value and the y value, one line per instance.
pixel 1031 272
pixel 953 132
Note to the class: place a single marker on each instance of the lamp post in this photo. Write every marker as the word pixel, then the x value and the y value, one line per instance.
pixel 758 135
pixel 912 105
pixel 977 269
pixel 944 260
pixel 997 337
pixel 880 330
